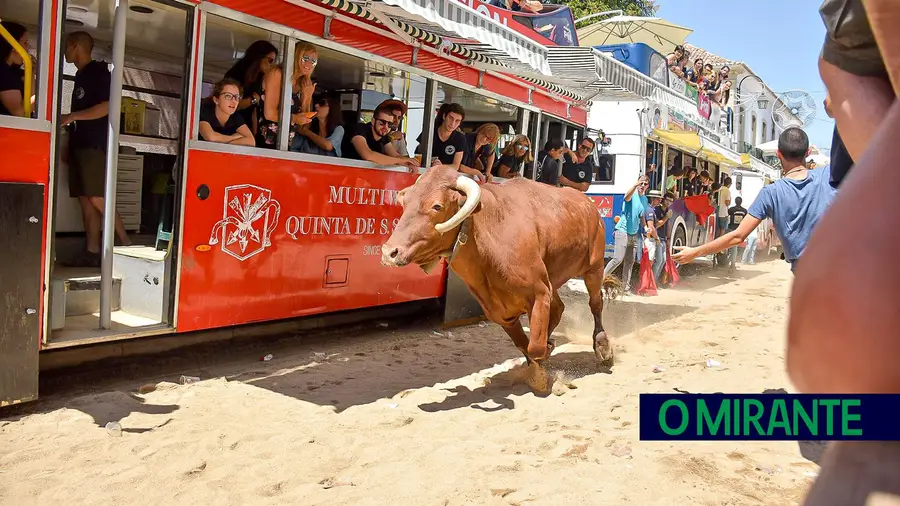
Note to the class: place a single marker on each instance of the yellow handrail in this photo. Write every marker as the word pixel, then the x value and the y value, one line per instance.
pixel 26 96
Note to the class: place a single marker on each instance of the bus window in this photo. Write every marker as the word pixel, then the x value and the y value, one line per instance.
pixel 654 165
pixel 21 20
pixel 243 54
pixel 606 169
pixel 496 120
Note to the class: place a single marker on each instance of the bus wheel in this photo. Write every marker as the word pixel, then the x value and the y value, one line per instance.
pixel 678 240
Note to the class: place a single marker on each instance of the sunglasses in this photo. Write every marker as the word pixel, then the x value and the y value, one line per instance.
pixel 523 147
pixel 310 59
pixel 383 122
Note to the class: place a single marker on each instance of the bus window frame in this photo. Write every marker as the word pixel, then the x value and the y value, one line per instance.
pixel 298 36
pixel 42 122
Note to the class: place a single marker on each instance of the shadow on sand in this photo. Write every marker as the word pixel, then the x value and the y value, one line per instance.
pixel 341 368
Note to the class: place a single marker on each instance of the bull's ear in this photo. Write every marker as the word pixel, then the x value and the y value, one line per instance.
pixel 400 195
pixel 461 197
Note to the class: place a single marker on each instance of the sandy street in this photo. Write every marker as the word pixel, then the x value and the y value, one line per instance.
pixel 410 416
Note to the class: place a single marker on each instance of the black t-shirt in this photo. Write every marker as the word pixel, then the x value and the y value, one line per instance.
pixel 470 156
pixel 91 88
pixel 736 214
pixel 548 171
pixel 840 160
pixel 578 172
pixel 663 231
pixel 364 130
pixel 208 114
pixel 514 164
pixel 446 150
pixel 12 77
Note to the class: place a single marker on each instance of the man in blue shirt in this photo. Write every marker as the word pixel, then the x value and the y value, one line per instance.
pixel 631 221
pixel 794 203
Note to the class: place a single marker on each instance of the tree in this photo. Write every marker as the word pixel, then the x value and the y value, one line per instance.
pixel 581 8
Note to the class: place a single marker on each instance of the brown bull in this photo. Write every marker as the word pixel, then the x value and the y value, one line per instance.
pixel 513 244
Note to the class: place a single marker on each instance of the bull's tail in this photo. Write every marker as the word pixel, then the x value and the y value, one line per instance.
pixel 612 287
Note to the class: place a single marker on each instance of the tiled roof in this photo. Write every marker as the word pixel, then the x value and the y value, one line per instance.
pixel 716 61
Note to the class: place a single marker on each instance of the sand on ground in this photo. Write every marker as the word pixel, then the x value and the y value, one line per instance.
pixel 420 416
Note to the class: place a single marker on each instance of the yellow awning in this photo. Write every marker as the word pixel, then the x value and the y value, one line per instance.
pixel 697 146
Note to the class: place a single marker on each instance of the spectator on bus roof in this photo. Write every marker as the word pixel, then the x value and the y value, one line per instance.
pixel 795 203
pixel 325 134
pixel 12 75
pixel 370 142
pixel 695 73
pixel 578 166
pixel 448 143
pixel 548 169
pixel 398 110
pixel 249 72
pixel 722 94
pixel 532 6
pixel 306 57
pixel 479 152
pixel 218 120
pixel 674 59
pixel 88 143
pixel 513 157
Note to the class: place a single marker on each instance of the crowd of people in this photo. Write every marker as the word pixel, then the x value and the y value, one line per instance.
pixel 243 109
pixel 701 75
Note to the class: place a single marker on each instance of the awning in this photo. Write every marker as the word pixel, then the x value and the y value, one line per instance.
pixel 698 146
pixel 454 20
pixel 657 33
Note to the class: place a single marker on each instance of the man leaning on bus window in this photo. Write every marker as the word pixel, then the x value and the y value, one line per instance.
pixel 371 142
pixel 88 143
pixel 578 166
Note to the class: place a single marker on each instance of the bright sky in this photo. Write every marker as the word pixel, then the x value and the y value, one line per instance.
pixel 779 39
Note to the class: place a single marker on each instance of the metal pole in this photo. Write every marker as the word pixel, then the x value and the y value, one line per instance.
pixel 538 121
pixel 112 165
pixel 287 79
pixel 428 127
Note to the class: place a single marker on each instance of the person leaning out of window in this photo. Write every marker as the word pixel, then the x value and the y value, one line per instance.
pixel 513 157
pixel 12 76
pixel 324 135
pixel 218 121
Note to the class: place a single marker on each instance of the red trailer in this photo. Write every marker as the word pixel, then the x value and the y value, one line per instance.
pixel 227 235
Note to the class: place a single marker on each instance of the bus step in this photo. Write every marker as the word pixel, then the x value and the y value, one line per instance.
pixel 81 295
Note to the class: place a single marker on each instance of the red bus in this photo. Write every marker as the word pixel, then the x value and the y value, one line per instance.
pixel 226 235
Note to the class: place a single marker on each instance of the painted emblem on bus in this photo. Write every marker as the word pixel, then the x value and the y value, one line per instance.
pixel 604 205
pixel 249 217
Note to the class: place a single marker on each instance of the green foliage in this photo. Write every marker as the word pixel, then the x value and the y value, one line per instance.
pixel 582 8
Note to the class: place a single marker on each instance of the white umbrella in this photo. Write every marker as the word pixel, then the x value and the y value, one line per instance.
pixel 657 33
pixel 769 148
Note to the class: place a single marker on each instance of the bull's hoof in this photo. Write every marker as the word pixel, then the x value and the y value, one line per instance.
pixel 551 345
pixel 538 379
pixel 603 350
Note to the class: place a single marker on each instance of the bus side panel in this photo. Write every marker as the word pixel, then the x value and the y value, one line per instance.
pixel 267 239
pixel 20 277
pixel 608 205
pixel 26 159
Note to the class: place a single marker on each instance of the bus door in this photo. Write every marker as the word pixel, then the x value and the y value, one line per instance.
pixel 130 292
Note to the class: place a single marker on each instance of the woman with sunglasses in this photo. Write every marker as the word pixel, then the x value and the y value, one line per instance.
pixel 325 134
pixel 513 157
pixel 306 57
pixel 218 121
pixel 249 72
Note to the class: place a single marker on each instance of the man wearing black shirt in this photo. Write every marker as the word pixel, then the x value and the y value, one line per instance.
pixel 88 142
pixel 449 144
pixel 578 167
pixel 371 142
pixel 735 215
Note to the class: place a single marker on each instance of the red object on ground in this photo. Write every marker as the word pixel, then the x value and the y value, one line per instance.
pixel 648 282
pixel 670 269
pixel 699 205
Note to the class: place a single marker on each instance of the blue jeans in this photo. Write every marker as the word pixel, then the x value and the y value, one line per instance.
pixel 750 251
pixel 660 261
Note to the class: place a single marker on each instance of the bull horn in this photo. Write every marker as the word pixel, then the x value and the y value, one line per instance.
pixel 473 196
